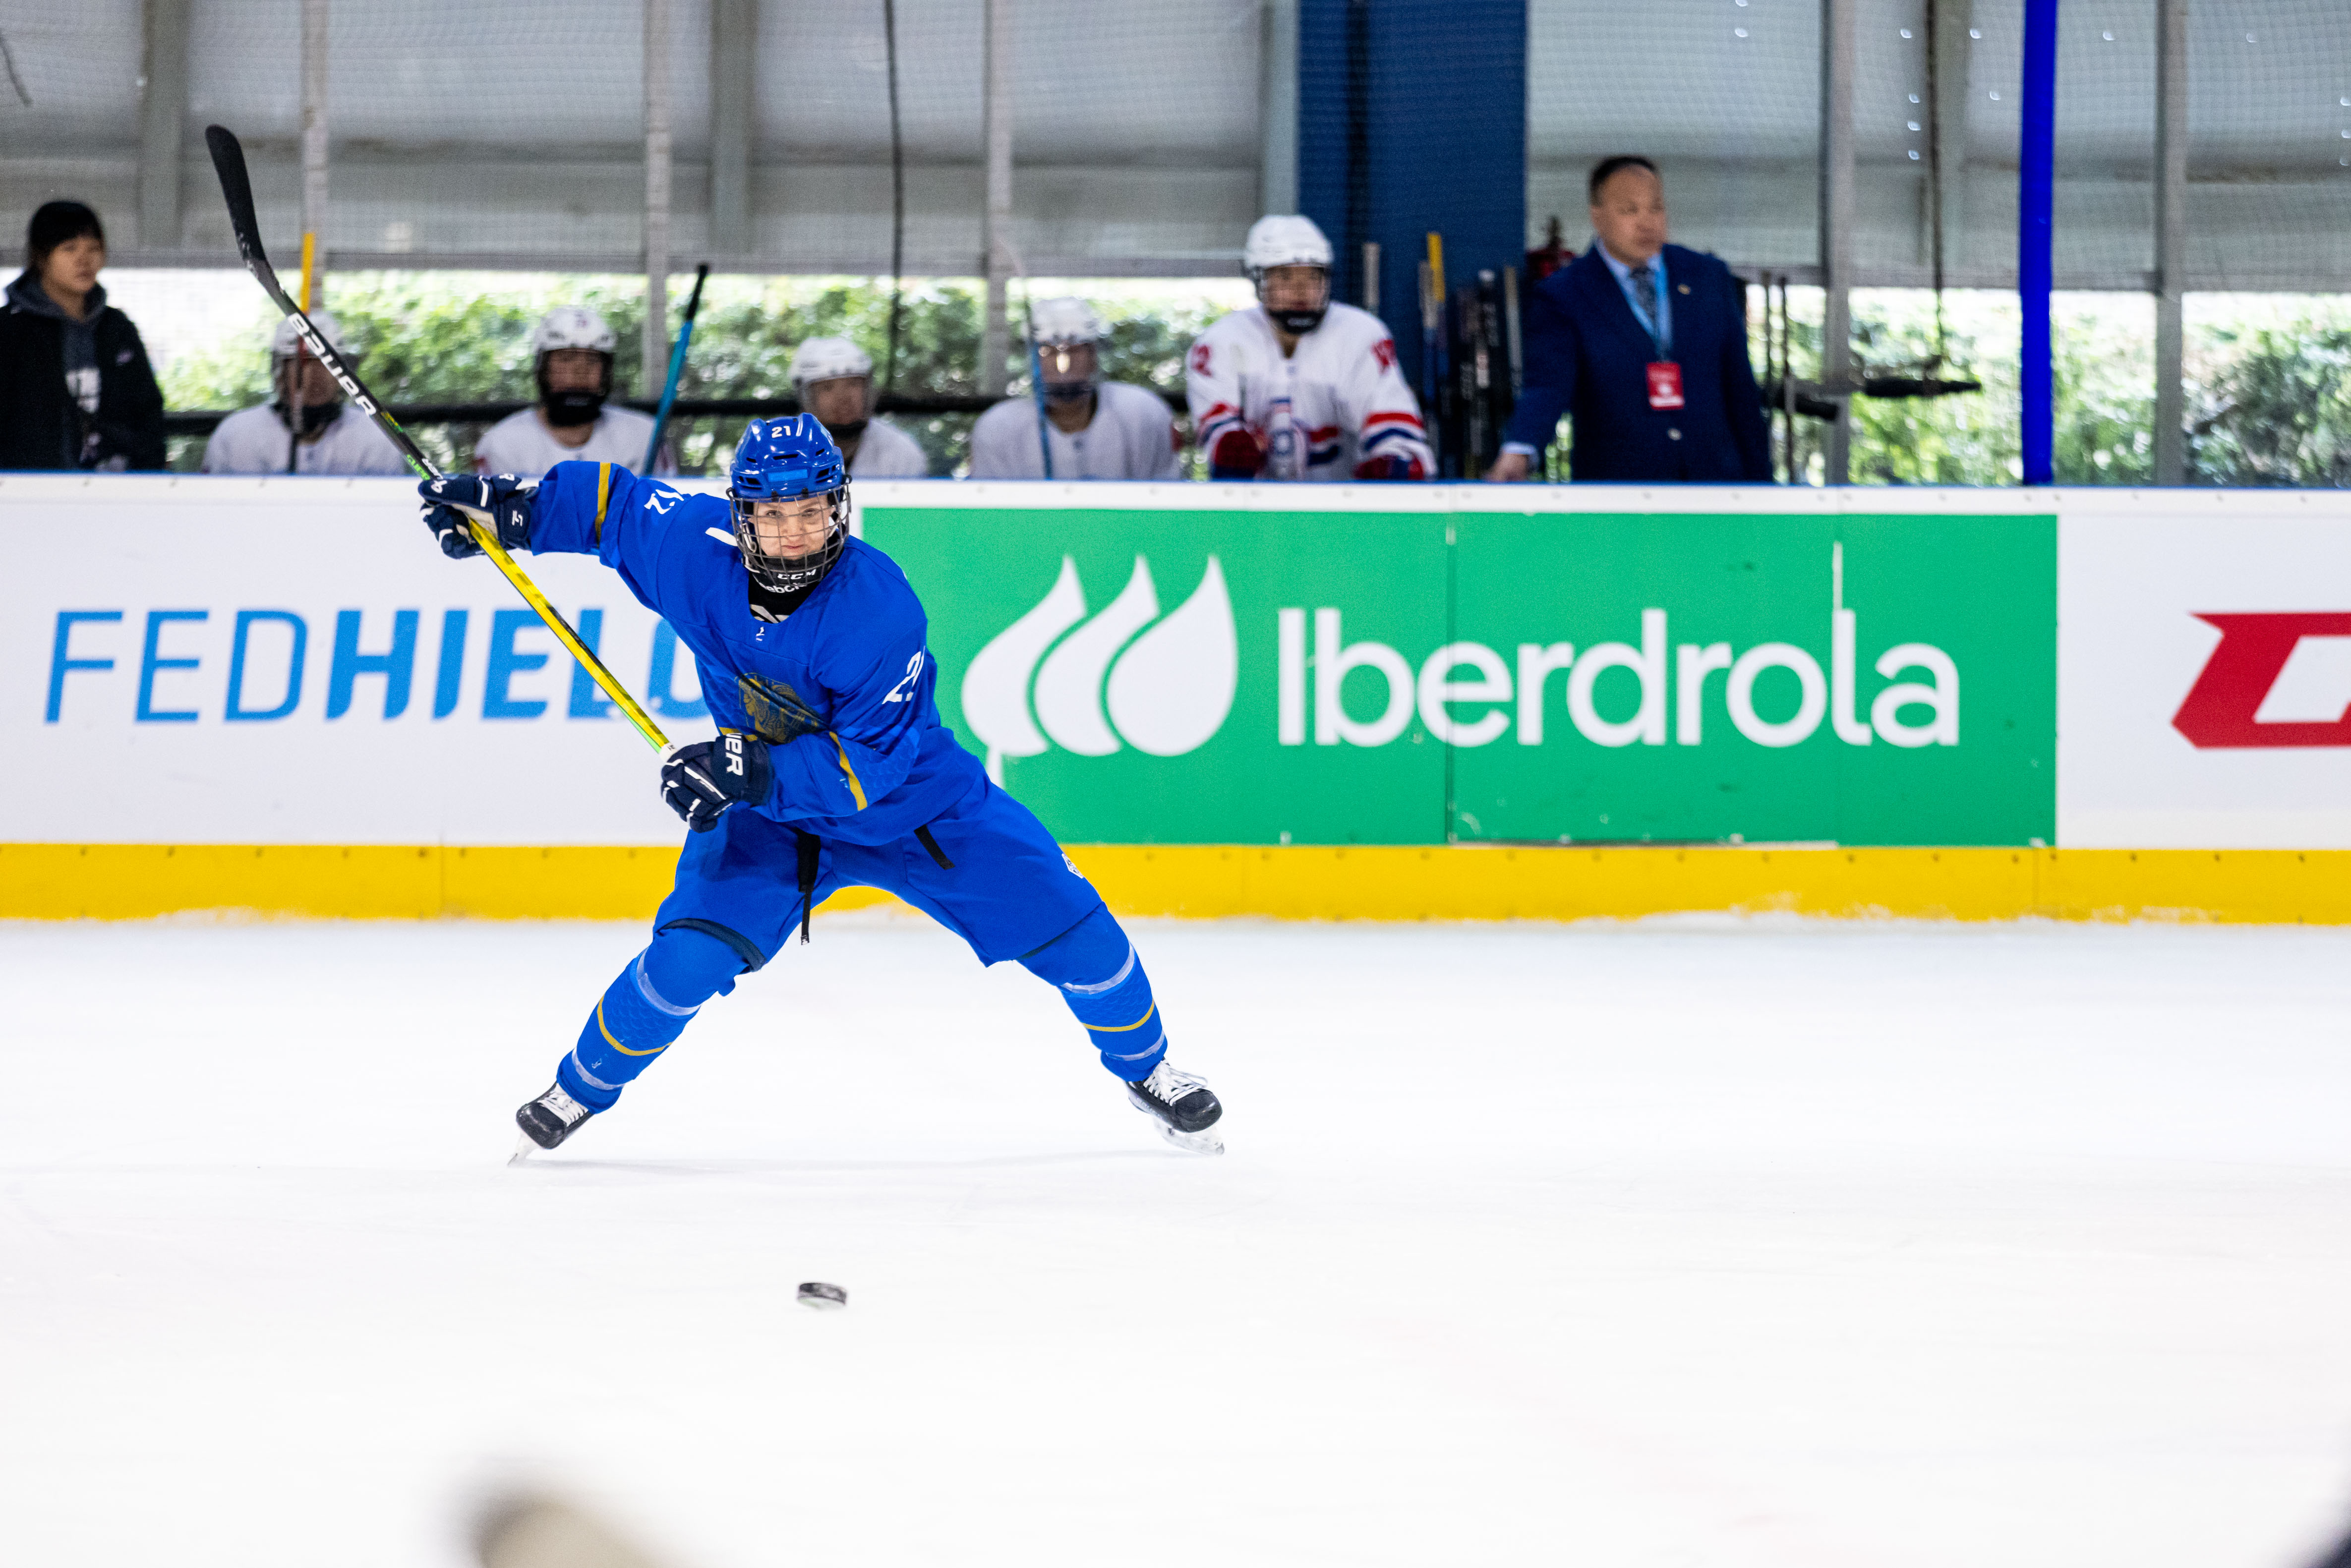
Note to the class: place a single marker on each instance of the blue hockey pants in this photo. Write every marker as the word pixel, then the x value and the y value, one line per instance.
pixel 985 869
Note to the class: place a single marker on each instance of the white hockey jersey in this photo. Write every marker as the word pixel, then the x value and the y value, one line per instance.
pixel 886 452
pixel 521 445
pixel 1131 437
pixel 255 441
pixel 1337 400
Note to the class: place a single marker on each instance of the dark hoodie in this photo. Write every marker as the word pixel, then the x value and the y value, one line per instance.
pixel 43 422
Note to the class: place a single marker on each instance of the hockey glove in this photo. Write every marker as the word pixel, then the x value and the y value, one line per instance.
pixel 1238 454
pixel 508 500
pixel 1389 466
pixel 701 781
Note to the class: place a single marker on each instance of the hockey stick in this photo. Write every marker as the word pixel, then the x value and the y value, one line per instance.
pixel 237 189
pixel 676 366
pixel 1437 318
pixel 1037 380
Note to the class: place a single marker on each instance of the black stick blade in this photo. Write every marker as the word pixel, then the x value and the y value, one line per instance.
pixel 237 189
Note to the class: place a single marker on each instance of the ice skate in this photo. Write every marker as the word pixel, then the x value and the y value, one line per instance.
pixel 548 1121
pixel 1186 1107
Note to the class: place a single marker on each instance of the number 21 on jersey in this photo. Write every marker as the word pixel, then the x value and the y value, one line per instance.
pixel 904 690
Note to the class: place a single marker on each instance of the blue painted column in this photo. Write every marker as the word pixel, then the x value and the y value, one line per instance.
pixel 1412 118
pixel 2035 195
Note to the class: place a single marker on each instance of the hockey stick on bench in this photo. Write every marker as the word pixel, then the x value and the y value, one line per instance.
pixel 236 187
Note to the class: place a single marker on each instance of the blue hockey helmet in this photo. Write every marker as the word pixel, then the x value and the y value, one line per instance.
pixel 783 460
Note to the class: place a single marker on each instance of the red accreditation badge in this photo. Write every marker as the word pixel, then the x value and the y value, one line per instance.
pixel 1665 384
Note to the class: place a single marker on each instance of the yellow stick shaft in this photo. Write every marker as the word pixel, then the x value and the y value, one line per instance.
pixel 309 255
pixel 485 537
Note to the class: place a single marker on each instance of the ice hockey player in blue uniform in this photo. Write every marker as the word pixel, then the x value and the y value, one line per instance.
pixel 830 768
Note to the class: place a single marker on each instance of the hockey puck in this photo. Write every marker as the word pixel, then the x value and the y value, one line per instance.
pixel 825 1297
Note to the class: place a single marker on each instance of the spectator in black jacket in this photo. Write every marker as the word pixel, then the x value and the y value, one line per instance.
pixel 76 389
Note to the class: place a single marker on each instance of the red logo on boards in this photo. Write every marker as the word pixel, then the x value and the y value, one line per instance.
pixel 2236 680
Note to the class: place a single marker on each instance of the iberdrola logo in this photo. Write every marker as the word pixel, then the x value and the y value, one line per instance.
pixel 1127 676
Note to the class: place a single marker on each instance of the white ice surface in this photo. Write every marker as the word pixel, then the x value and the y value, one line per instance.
pixel 1680 1244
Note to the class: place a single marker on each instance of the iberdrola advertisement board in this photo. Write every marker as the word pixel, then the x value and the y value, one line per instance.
pixel 1322 676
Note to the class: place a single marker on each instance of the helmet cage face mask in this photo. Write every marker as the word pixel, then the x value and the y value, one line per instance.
pixel 1297 323
pixel 574 406
pixel 790 573
pixel 287 353
pixel 1053 356
pixel 297 412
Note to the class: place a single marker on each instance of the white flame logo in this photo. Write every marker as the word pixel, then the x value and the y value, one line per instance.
pixel 1165 694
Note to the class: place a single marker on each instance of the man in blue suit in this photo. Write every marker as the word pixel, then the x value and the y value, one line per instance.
pixel 1645 344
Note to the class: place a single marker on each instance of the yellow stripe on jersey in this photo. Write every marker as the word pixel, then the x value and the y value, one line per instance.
pixel 847 773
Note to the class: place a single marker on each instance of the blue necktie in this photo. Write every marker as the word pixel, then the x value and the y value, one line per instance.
pixel 1645 294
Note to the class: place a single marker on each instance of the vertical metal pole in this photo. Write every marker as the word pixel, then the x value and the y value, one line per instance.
pixel 314 135
pixel 1953 50
pixel 163 121
pixel 2171 241
pixel 1359 137
pixel 995 224
pixel 2036 181
pixel 1837 223
pixel 657 190
pixel 1277 96
pixel 734 62
pixel 897 197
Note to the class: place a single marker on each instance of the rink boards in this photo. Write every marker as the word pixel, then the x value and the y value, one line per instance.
pixel 1390 702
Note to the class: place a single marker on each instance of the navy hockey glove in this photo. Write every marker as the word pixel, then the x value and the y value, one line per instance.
pixel 700 781
pixel 508 500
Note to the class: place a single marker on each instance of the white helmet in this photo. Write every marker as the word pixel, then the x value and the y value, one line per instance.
pixel 829 359
pixel 573 326
pixel 1284 240
pixel 1065 323
pixel 1288 240
pixel 289 334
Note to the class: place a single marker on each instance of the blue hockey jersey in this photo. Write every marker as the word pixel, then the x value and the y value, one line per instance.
pixel 842 687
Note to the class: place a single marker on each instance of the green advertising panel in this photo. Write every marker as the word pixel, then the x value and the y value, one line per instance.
pixel 1324 676
pixel 1861 680
pixel 1124 671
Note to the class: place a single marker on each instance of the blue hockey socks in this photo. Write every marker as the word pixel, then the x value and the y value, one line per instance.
pixel 647 1005
pixel 1101 978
